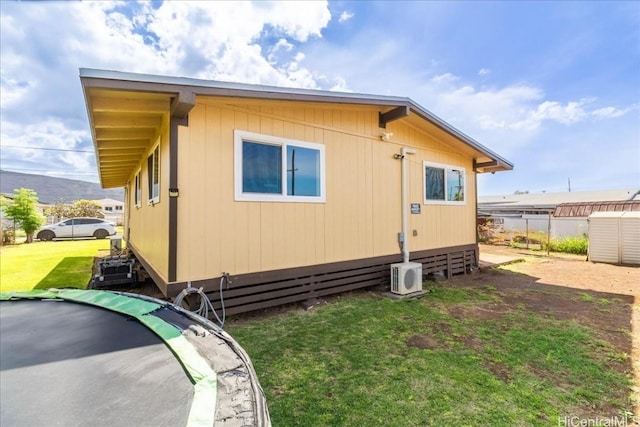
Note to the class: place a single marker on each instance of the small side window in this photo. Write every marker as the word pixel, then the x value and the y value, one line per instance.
pixel 153 171
pixel 137 193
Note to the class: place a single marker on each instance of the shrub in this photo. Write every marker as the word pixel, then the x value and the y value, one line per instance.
pixel 571 245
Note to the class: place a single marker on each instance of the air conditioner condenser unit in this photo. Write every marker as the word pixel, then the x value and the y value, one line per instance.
pixel 406 278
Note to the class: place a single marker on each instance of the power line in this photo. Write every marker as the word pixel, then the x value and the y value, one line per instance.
pixel 46 149
pixel 9 169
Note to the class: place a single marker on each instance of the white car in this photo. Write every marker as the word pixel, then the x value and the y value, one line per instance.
pixel 78 227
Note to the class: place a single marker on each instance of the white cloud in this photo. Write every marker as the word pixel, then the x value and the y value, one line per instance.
pixel 446 78
pixel 611 112
pixel 13 90
pixel 340 85
pixel 283 44
pixel 519 107
pixel 50 134
pixel 42 46
pixel 345 16
pixel 571 112
pixel 179 38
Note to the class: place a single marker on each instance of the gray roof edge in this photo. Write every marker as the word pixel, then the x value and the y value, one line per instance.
pixel 460 135
pixel 89 73
pixel 217 84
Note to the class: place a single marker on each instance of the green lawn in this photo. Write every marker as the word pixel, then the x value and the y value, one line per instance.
pixel 459 356
pixel 364 360
pixel 44 265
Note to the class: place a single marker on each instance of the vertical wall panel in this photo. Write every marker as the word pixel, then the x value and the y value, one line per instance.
pixel 240 244
pixel 630 238
pixel 211 199
pixel 226 231
pixel 196 167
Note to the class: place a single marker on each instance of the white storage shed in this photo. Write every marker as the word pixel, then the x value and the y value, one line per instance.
pixel 614 237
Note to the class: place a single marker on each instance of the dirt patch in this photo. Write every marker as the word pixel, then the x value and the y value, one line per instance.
pixel 608 315
pixel 500 370
pixel 572 271
pixel 443 328
pixel 519 286
pixel 424 342
pixel 472 342
pixel 604 297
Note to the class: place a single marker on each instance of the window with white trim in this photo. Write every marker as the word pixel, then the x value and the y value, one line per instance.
pixel 137 192
pixel 444 184
pixel 153 172
pixel 269 168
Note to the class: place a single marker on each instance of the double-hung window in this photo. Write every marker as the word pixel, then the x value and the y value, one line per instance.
pixel 137 192
pixel 444 184
pixel 269 168
pixel 153 172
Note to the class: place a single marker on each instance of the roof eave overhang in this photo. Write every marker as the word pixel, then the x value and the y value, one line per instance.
pixel 121 144
pixel 181 93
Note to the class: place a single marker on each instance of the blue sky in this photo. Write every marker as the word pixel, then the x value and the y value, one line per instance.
pixel 552 86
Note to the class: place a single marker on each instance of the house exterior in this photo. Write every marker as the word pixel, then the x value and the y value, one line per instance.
pixel 287 193
pixel 112 210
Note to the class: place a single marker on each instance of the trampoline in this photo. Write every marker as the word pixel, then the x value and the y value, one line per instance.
pixel 100 358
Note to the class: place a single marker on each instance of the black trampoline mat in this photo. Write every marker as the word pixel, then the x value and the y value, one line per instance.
pixel 70 364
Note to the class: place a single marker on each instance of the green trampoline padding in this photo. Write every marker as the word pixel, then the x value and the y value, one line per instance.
pixel 201 374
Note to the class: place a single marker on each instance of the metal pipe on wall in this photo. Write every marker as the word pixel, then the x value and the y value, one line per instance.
pixel 405 209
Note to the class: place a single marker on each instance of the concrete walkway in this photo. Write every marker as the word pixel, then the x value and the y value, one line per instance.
pixel 492 260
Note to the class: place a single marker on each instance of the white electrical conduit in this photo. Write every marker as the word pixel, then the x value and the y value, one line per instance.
pixel 405 208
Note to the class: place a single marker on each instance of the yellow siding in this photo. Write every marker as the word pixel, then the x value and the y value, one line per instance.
pixel 148 225
pixel 361 216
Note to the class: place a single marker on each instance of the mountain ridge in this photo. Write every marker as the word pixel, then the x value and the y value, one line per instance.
pixel 52 190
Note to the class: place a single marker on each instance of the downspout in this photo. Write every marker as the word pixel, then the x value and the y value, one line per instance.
pixel 173 199
pixel 475 188
pixel 402 238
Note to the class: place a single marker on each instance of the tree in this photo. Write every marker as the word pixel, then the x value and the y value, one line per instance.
pixel 58 211
pixel 88 208
pixel 23 210
pixel 6 234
